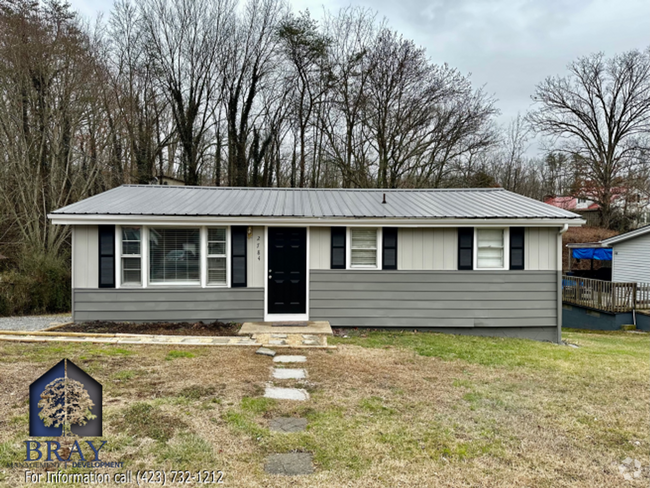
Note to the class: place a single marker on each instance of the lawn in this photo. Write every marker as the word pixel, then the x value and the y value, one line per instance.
pixel 386 409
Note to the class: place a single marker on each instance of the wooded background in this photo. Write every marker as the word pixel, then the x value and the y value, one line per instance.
pixel 216 92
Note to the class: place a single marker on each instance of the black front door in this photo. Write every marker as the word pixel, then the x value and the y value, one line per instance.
pixel 287 270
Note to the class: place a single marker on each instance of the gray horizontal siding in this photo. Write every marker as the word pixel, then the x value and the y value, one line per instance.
pixel 434 299
pixel 174 305
pixel 632 260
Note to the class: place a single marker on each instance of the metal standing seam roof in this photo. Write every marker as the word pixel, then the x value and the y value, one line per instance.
pixel 200 201
pixel 625 236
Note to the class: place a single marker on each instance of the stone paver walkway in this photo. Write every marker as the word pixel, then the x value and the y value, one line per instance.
pixel 289 374
pixel 291 464
pixel 126 339
pixel 279 393
pixel 288 424
pixel 289 359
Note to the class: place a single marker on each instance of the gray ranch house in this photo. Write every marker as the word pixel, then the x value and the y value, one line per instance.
pixel 465 261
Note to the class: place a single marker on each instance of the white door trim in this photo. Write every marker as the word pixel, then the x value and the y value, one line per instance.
pixel 298 317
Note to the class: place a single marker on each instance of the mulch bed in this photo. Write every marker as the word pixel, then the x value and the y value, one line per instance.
pixel 156 328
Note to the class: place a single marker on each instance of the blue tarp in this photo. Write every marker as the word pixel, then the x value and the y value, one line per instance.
pixel 598 253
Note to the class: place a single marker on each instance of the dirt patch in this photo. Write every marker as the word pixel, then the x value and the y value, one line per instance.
pixel 156 328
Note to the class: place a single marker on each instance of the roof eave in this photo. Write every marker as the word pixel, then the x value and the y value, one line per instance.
pixel 85 219
pixel 633 234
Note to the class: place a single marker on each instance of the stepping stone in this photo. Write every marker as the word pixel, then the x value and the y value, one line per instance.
pixel 289 359
pixel 265 351
pixel 289 374
pixel 286 393
pixel 288 424
pixel 291 464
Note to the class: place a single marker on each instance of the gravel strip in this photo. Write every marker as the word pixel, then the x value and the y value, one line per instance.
pixel 32 322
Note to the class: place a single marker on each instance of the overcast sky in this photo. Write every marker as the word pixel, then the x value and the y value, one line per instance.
pixel 508 46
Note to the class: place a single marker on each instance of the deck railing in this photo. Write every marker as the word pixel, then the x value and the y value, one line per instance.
pixel 605 295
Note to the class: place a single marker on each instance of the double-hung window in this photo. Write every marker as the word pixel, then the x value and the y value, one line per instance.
pixel 363 248
pixel 490 249
pixel 131 256
pixel 174 255
pixel 217 256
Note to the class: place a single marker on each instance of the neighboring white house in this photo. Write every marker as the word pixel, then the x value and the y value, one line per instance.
pixel 630 256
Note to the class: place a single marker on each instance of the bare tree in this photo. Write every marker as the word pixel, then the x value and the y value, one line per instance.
pixel 51 142
pixel 184 40
pixel 247 71
pixel 600 116
pixel 141 109
pixel 306 49
pixel 353 33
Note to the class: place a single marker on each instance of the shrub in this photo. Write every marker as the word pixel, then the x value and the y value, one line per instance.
pixel 40 283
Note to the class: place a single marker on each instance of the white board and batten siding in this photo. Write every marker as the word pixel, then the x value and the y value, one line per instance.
pixel 85 256
pixel 437 248
pixel 255 271
pixel 631 260
pixel 422 248
pixel 541 248
pixel 320 243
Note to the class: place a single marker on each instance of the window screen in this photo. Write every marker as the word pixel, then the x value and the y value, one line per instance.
pixel 465 248
pixel 131 257
pixel 363 248
pixel 389 258
pixel 489 248
pixel 174 255
pixel 338 248
pixel 516 248
pixel 217 256
pixel 238 256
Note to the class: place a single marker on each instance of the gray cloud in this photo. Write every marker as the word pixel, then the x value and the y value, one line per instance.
pixel 508 45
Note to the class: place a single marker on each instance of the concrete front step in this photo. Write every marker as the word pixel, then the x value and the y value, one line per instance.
pixel 306 334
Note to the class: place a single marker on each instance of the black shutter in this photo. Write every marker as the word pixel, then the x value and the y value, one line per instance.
pixel 465 247
pixel 338 248
pixel 106 256
pixel 516 248
pixel 238 267
pixel 389 256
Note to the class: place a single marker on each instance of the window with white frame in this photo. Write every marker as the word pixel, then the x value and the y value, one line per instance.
pixel 131 256
pixel 217 258
pixel 174 255
pixel 363 248
pixel 490 248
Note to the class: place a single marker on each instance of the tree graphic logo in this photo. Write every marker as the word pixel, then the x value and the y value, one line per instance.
pixel 65 401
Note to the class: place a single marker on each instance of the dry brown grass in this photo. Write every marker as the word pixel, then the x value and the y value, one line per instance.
pixel 394 414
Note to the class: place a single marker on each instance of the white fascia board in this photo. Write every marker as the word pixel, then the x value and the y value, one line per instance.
pixel 624 237
pixel 60 219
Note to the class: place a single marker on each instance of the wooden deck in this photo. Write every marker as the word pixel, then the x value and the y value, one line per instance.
pixel 605 295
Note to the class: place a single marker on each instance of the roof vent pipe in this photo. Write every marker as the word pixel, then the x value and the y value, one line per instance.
pixel 384 201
